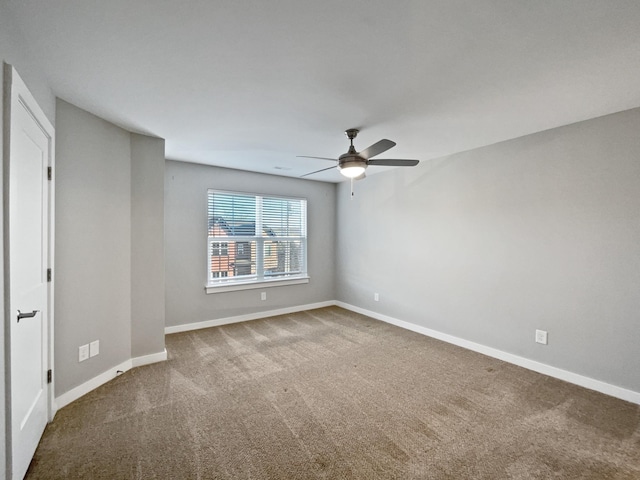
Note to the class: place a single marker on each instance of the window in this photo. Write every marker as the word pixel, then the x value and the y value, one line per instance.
pixel 255 240
pixel 219 249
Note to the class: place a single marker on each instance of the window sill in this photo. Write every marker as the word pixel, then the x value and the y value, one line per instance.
pixel 222 288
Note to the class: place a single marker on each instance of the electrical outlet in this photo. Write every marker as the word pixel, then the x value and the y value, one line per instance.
pixel 83 353
pixel 541 337
pixel 263 296
pixel 94 348
pixel 376 297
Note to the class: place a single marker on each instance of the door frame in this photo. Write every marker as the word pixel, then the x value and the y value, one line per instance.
pixel 15 93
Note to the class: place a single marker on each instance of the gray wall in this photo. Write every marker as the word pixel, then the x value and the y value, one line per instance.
pixel 147 245
pixel 109 245
pixel 13 51
pixel 93 245
pixel 186 236
pixel 488 245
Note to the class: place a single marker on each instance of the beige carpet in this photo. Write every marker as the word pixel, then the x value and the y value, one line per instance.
pixel 335 395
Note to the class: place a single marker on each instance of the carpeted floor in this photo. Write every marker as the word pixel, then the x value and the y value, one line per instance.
pixel 330 394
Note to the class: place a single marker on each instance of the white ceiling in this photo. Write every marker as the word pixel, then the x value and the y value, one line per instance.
pixel 250 84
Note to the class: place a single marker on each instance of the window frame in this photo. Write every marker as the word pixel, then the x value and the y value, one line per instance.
pixel 259 279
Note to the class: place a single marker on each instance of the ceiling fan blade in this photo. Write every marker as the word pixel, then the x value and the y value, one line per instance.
pixel 377 148
pixel 394 162
pixel 317 171
pixel 319 158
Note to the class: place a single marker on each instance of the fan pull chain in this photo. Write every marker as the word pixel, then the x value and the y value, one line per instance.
pixel 352 188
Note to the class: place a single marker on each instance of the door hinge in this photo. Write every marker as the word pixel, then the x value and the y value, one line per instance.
pixel 48 274
pixel 49 375
pixel 49 173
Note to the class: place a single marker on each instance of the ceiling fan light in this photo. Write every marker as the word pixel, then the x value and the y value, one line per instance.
pixel 352 171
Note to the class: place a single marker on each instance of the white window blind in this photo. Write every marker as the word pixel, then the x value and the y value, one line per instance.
pixel 255 238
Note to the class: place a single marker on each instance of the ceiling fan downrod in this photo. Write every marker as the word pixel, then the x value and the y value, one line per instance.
pixel 351 133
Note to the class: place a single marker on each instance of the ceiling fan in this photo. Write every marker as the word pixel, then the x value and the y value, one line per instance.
pixel 353 164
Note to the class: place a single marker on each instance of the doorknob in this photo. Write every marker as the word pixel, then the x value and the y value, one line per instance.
pixel 26 315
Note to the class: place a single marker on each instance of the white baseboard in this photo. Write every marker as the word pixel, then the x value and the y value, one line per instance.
pixel 148 359
pixel 81 390
pixel 587 382
pixel 77 392
pixel 581 380
pixel 244 318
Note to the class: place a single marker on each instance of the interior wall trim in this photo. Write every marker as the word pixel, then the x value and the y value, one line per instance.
pixel 81 390
pixel 567 376
pixel 84 388
pixel 244 318
pixel 148 359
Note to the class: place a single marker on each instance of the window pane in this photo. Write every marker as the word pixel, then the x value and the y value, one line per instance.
pixel 244 264
pixel 283 217
pixel 219 257
pixel 285 258
pixel 232 259
pixel 232 214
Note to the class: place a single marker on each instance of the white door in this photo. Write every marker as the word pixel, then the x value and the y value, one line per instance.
pixel 30 154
